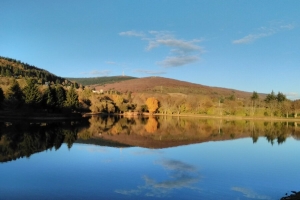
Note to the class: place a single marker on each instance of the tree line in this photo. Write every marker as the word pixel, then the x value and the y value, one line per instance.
pixel 270 105
pixel 51 98
pixel 58 97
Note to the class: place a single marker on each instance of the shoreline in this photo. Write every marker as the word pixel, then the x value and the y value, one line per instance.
pixel 69 116
pixel 5 116
pixel 227 117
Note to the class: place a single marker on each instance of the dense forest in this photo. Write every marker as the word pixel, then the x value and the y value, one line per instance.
pixel 14 68
pixel 38 98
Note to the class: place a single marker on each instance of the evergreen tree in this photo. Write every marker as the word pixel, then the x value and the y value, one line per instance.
pixel 71 99
pixel 14 92
pixel 14 96
pixel 281 97
pixel 49 98
pixel 60 96
pixel 32 95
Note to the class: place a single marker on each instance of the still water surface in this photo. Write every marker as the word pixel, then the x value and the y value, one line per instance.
pixel 215 159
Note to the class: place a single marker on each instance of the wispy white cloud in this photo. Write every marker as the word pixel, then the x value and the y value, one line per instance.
pixel 151 72
pixel 132 33
pixel 248 193
pixel 98 73
pixel 287 26
pixel 251 38
pixel 292 95
pixel 110 62
pixel 183 52
pixel 178 61
pixel 264 32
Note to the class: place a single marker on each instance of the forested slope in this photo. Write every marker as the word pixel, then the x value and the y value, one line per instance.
pixel 13 68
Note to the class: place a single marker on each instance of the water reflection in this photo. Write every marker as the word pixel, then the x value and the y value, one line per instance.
pixel 249 193
pixel 164 131
pixel 21 139
pixel 179 175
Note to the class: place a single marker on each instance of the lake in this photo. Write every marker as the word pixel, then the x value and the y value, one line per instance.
pixel 149 158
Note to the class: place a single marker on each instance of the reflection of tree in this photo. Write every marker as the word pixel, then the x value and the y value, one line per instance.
pixel 172 131
pixel 278 131
pixel 151 125
pixel 254 132
pixel 23 139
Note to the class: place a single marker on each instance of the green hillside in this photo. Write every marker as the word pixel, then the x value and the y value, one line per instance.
pixel 13 68
pixel 100 80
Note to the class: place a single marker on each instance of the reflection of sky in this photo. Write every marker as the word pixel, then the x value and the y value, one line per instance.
pixel 180 175
pixel 235 169
pixel 248 193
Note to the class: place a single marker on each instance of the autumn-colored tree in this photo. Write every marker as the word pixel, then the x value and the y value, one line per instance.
pixel 152 104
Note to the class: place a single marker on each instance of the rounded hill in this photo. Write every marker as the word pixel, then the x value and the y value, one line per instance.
pixel 167 85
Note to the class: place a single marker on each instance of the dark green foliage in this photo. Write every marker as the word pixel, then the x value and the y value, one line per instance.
pixel 14 96
pixel 10 67
pixel 14 92
pixel 32 95
pixel 71 99
pixel 49 98
pixel 281 97
pixel 101 80
pixel 254 96
pixel 60 96
pixel 270 97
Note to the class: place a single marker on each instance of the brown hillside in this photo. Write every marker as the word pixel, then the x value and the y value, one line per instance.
pixel 167 85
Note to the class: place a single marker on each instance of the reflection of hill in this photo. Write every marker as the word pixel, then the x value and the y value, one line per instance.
pixel 100 142
pixel 161 132
pixel 20 139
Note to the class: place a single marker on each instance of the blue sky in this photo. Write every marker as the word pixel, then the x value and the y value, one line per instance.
pixel 240 44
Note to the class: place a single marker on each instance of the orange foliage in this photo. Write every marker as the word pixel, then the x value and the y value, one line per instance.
pixel 151 125
pixel 152 104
